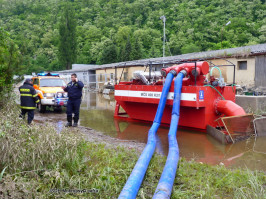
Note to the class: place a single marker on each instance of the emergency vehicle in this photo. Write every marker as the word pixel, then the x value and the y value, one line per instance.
pixel 49 89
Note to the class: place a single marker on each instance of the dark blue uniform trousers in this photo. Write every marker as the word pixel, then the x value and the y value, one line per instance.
pixel 73 106
pixel 30 114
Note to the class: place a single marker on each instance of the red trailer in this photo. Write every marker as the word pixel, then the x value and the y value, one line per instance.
pixel 203 102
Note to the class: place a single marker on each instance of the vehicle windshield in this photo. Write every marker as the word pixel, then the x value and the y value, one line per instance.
pixel 49 82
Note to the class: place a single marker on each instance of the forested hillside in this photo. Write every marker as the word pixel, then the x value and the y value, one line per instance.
pixel 117 30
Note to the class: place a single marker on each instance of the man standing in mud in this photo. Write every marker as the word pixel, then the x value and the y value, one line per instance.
pixel 74 89
pixel 28 100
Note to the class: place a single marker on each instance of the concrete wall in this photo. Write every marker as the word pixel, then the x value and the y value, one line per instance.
pixel 252 104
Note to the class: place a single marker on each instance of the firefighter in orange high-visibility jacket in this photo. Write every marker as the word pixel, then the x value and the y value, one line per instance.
pixel 28 100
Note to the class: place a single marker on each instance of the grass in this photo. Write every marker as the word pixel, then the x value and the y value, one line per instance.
pixel 35 159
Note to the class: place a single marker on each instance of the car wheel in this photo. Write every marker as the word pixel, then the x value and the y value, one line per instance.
pixel 41 108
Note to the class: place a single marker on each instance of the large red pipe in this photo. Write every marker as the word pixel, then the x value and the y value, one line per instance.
pixel 229 108
pixel 202 68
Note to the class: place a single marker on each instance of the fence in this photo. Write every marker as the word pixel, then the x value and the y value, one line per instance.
pixel 92 81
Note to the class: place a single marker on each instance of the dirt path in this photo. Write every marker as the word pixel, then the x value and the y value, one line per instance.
pixel 58 120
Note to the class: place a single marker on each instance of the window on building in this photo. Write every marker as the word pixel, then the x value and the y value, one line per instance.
pixel 111 76
pixel 101 77
pixel 242 65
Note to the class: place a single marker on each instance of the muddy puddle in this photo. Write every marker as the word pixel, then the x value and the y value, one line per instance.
pixel 97 113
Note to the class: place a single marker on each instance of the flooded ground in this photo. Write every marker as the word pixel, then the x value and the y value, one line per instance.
pixel 97 113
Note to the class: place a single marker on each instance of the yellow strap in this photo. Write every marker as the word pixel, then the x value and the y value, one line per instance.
pixel 28 95
pixel 35 95
pixel 37 101
pixel 30 108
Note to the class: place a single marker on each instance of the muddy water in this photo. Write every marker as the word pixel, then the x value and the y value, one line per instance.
pixel 97 112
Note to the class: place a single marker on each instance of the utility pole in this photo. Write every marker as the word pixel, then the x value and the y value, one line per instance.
pixel 222 33
pixel 164 20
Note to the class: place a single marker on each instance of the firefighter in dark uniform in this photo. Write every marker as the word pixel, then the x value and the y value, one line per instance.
pixel 28 100
pixel 74 89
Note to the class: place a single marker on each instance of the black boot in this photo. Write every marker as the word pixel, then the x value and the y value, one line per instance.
pixel 75 122
pixel 69 121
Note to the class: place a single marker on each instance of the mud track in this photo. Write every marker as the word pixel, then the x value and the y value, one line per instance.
pixel 58 120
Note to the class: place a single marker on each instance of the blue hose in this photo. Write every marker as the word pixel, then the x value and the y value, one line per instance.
pixel 165 185
pixel 134 181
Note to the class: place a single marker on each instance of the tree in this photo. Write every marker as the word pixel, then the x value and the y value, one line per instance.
pixel 126 50
pixel 136 52
pixel 10 60
pixel 109 54
pixel 67 37
pixel 34 27
pixel 190 48
pixel 154 52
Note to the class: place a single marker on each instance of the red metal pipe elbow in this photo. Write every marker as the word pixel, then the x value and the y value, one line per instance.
pixel 202 68
pixel 229 108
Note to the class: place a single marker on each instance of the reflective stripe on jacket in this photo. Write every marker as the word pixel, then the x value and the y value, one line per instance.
pixel 28 97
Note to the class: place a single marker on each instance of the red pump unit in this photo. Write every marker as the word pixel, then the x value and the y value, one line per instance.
pixel 202 103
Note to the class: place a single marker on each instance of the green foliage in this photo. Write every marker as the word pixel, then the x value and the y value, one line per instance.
pixel 125 53
pixel 10 60
pixel 191 25
pixel 109 54
pixel 190 48
pixel 136 53
pixel 67 37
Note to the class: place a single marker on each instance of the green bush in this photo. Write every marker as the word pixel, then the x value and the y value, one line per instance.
pixel 10 60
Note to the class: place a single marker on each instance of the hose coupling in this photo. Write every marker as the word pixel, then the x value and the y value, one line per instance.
pixel 163 73
pixel 184 72
pixel 173 72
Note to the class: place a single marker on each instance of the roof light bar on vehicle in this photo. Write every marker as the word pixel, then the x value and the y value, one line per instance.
pixel 48 74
